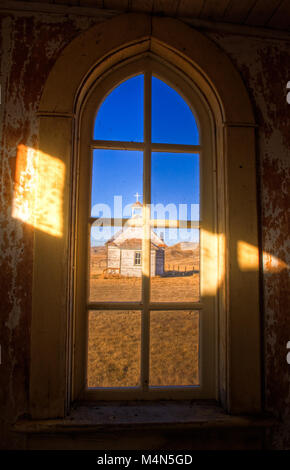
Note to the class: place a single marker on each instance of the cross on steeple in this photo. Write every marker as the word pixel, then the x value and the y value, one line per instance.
pixel 137 196
pixel 137 206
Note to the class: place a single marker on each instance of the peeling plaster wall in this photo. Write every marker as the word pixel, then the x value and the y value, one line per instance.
pixel 29 48
pixel 30 44
pixel 264 65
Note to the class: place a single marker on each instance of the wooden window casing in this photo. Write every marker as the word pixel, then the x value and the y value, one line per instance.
pixel 57 350
pixel 206 307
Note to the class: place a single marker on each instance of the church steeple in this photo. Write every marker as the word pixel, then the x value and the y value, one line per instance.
pixel 137 206
pixel 137 196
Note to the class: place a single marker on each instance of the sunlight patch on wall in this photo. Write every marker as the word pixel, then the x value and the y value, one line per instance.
pixel 38 190
pixel 248 259
pixel 212 261
pixel 248 256
pixel 272 264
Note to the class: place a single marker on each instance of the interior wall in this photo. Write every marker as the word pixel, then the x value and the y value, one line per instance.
pixel 264 65
pixel 30 44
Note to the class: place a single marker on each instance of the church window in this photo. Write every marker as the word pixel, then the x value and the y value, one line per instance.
pixel 72 318
pixel 137 261
pixel 146 314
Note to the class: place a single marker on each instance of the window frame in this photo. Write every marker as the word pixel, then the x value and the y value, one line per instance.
pixel 136 253
pixel 219 82
pixel 207 389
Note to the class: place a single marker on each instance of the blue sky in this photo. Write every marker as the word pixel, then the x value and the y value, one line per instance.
pixel 174 177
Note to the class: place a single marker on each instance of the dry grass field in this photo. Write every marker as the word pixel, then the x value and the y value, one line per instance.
pixel 115 341
pixel 176 286
pixel 115 336
pixel 163 289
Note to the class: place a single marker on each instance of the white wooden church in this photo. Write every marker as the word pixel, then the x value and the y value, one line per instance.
pixel 124 249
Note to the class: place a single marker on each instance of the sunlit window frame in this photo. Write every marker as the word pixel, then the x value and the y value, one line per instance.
pixel 207 306
pixel 55 376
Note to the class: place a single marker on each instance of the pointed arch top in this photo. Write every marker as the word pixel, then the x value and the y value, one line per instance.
pixel 126 36
pixel 91 56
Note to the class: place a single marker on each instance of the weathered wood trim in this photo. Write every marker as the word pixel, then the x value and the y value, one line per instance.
pixel 139 305
pixel 213 76
pixel 171 148
pixel 28 8
pixel 165 223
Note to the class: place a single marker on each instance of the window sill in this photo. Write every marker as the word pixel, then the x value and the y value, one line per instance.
pixel 134 416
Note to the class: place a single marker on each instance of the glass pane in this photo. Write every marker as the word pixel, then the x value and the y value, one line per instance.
pixel 172 120
pixel 115 263
pixel 120 116
pixel 115 268
pixel 114 349
pixel 174 348
pixel 175 271
pixel 175 186
pixel 116 179
pixel 175 199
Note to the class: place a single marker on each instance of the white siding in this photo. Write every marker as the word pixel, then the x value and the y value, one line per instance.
pixel 113 257
pixel 125 259
pixel 127 264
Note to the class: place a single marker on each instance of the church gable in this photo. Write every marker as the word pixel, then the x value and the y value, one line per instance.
pixel 124 249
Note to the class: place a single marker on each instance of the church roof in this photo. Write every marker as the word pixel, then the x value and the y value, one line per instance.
pixel 137 204
pixel 131 238
pixel 134 244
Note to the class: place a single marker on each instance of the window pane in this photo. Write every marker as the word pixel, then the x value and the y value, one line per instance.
pixel 114 349
pixel 116 178
pixel 120 116
pixel 172 120
pixel 175 186
pixel 174 348
pixel 116 187
pixel 175 199
pixel 175 273
pixel 114 275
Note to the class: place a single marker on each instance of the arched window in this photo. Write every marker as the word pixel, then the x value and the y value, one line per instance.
pixel 148 186
pixel 205 79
